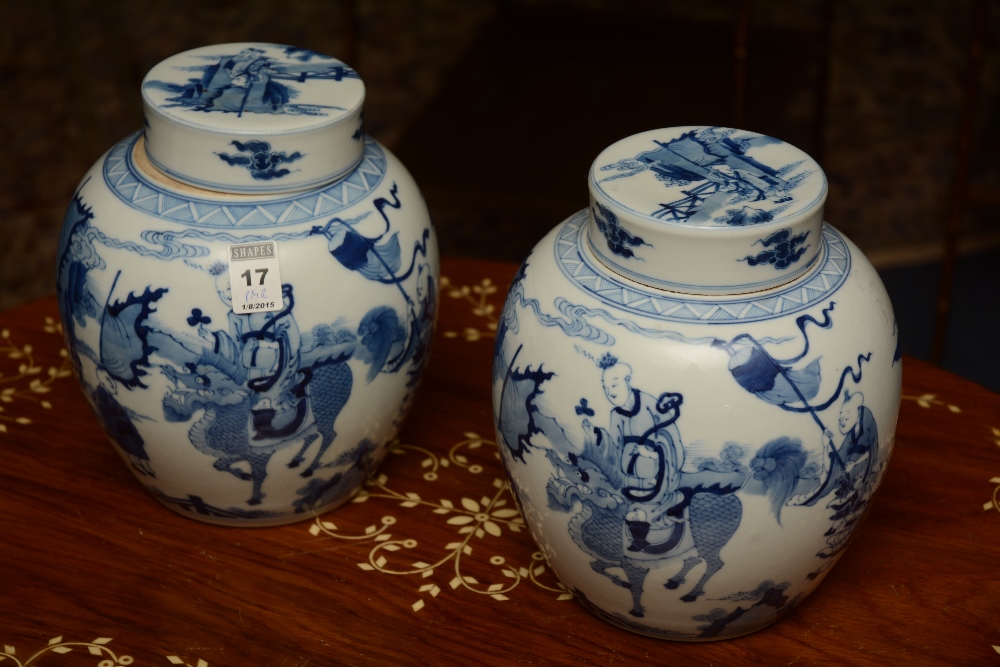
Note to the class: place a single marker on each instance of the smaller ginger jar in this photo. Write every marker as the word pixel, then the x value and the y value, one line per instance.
pixel 695 385
pixel 248 286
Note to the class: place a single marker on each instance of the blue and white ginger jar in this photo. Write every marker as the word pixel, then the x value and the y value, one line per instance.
pixel 696 383
pixel 248 286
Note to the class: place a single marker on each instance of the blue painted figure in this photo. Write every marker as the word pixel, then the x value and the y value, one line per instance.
pixel 250 82
pixel 849 472
pixel 706 516
pixel 261 384
pixel 643 435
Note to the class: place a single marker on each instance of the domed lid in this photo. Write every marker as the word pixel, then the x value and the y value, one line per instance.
pixel 252 117
pixel 706 210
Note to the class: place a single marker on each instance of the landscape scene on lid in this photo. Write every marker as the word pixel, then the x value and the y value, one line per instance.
pixel 716 176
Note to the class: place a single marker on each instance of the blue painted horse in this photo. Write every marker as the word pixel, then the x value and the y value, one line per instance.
pixel 706 518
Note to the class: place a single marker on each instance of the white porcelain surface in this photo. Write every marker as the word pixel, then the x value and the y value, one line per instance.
pixel 253 117
pixel 253 419
pixel 683 209
pixel 692 466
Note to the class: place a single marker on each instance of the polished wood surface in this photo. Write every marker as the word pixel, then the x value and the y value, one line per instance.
pixel 430 564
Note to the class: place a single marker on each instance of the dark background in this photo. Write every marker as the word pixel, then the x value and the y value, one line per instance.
pixel 498 109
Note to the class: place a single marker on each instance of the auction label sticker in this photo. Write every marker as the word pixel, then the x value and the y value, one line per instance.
pixel 254 278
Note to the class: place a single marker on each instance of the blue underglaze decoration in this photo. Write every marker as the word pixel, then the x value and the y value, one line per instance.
pixel 133 188
pixel 117 422
pixel 255 384
pixel 741 217
pixel 319 492
pixel 718 164
pixel 577 265
pixel 360 132
pixel 853 471
pixel 898 354
pixel 262 163
pixel 518 412
pixel 636 504
pixel 618 238
pixel 196 505
pixel 756 608
pixel 251 82
pixel 305 55
pixel 198 318
pixel 125 336
pixel 786 250
pixel 634 498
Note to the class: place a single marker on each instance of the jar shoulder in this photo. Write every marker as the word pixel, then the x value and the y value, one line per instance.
pixel 131 193
pixel 562 268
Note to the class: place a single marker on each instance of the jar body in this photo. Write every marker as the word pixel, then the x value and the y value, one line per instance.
pixel 263 418
pixel 691 467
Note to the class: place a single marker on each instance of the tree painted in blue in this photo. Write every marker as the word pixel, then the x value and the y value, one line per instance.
pixel 617 237
pixel 742 217
pixel 718 164
pixel 263 163
pixel 517 418
pixel 125 344
pixel 783 249
pixel 251 82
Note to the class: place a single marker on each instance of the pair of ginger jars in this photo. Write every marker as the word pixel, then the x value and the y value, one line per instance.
pixel 696 380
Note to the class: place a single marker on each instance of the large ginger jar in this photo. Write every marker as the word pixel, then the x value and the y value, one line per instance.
pixel 696 384
pixel 248 286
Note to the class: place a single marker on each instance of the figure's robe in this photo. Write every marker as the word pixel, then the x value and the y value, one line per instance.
pixel 862 440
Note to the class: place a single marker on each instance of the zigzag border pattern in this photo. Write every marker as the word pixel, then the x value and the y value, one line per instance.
pixel 140 193
pixel 595 279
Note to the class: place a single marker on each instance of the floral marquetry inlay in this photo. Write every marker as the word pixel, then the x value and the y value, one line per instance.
pixel 479 297
pixel 23 378
pixel 97 647
pixel 478 558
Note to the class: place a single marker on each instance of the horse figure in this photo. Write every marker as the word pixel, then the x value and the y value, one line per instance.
pixel 329 388
pixel 223 430
pixel 708 514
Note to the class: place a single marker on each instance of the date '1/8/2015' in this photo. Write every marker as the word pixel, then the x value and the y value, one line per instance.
pixel 259 305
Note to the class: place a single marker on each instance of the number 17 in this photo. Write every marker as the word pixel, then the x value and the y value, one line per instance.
pixel 246 274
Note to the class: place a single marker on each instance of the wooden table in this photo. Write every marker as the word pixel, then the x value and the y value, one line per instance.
pixel 430 564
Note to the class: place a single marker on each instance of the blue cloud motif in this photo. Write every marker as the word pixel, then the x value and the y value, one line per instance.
pixel 258 158
pixel 786 250
pixel 617 237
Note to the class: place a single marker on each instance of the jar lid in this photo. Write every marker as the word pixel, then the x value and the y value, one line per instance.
pixel 253 117
pixel 706 210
